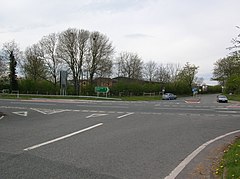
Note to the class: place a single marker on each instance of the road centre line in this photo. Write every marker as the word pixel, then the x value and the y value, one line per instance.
pixel 125 115
pixel 187 109
pixel 188 159
pixel 42 104
pixel 233 112
pixel 97 106
pixel 63 137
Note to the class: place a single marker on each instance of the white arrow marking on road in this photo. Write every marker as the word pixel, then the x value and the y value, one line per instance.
pixel 96 115
pixel 21 113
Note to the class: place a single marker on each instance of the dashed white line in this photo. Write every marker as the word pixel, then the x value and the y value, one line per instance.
pixel 63 137
pixel 184 163
pixel 96 115
pixel 119 117
pixel 227 112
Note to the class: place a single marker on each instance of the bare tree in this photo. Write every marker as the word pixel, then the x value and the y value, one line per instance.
pixel 72 48
pixel 100 55
pixel 105 68
pixel 54 64
pixel 34 66
pixel 130 65
pixel 150 69
pixel 162 74
pixel 173 70
pixel 3 67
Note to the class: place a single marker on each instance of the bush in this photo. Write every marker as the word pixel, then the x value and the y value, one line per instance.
pixel 28 86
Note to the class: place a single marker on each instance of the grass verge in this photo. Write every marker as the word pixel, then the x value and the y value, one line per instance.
pixel 125 98
pixel 229 166
pixel 234 97
pixel 141 98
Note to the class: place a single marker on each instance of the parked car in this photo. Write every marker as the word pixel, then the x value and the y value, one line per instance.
pixel 222 98
pixel 169 96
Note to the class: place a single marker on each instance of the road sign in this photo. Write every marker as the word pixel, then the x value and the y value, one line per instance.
pixel 101 89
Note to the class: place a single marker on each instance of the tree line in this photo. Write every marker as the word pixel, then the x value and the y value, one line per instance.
pixel 227 70
pixel 85 55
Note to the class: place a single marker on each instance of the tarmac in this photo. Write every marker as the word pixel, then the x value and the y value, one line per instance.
pixel 204 165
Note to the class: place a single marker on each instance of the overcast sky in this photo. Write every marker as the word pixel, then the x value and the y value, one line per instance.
pixel 165 31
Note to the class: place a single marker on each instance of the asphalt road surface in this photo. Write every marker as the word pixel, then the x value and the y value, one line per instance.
pixel 43 138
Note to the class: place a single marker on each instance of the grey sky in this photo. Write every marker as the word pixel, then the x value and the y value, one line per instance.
pixel 166 31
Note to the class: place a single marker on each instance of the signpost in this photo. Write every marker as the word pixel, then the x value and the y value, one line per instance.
pixel 195 91
pixel 101 89
pixel 63 83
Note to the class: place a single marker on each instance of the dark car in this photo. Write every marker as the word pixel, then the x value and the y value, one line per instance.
pixel 222 98
pixel 169 96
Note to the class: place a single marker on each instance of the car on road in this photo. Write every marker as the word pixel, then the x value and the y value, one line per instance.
pixel 222 98
pixel 169 96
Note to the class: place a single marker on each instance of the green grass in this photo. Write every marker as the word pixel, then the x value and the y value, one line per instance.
pixel 125 98
pixel 234 97
pixel 141 98
pixel 30 96
pixel 230 165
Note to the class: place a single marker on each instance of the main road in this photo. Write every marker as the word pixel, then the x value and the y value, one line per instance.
pixel 42 138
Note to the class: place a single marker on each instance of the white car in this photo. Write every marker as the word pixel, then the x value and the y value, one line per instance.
pixel 169 96
pixel 222 98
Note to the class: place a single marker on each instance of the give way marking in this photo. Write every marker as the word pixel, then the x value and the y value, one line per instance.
pixel 49 111
pixel 21 113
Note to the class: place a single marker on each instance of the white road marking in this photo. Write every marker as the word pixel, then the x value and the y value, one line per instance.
pixel 188 159
pixel 21 113
pixel 228 112
pixel 97 106
pixel 43 104
pixel 96 115
pixel 186 109
pixel 119 117
pixel 49 111
pixel 1 117
pixel 63 137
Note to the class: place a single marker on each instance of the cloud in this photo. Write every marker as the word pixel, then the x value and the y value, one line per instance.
pixel 137 35
pixel 176 31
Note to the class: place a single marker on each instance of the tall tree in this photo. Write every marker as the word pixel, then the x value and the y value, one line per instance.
pixel 226 67
pixel 72 48
pixel 173 70
pixel 130 65
pixel 13 76
pixel 188 74
pixel 54 64
pixel 12 53
pixel 162 74
pixel 149 70
pixel 34 66
pixel 100 55
pixel 3 66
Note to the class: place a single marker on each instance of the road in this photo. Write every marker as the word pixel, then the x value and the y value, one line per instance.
pixel 43 138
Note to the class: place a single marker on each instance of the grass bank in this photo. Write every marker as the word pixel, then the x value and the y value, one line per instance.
pixel 229 166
